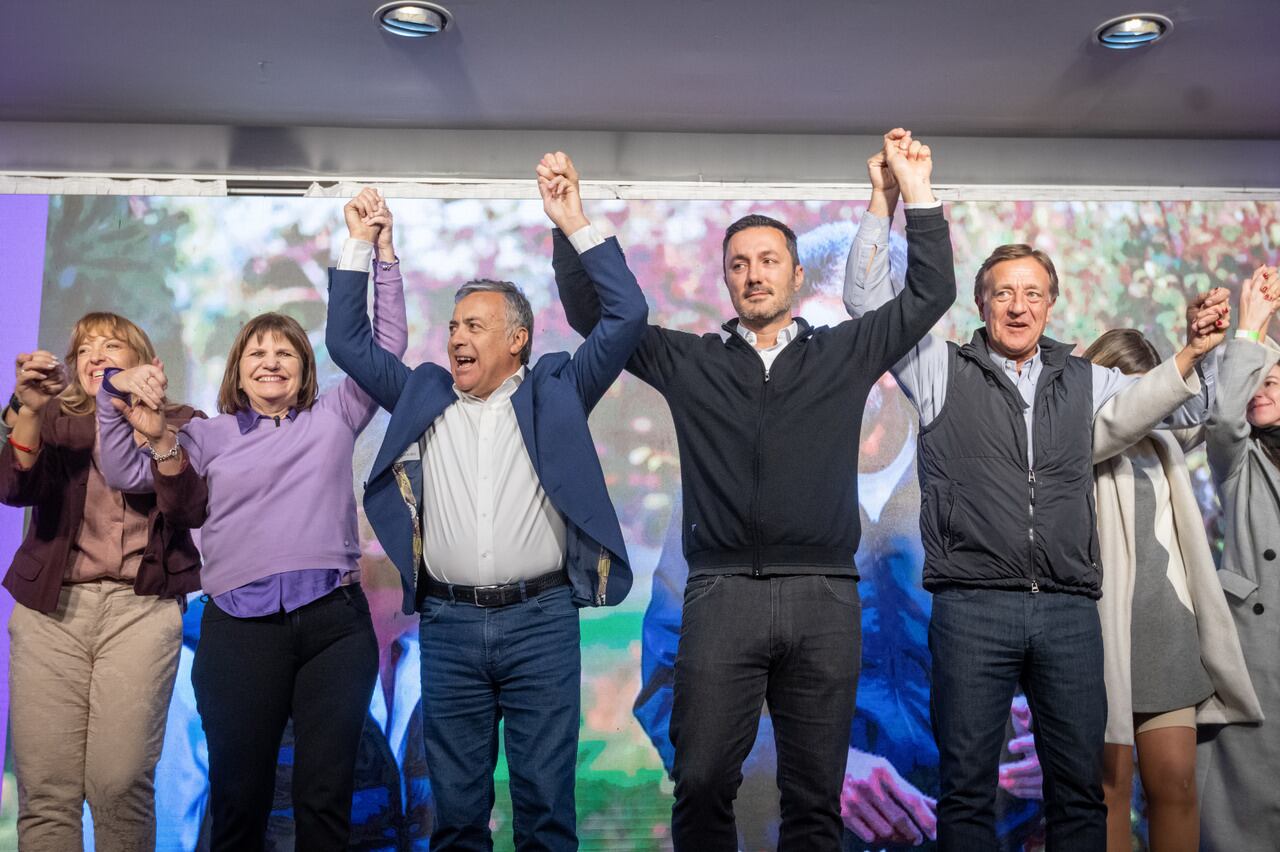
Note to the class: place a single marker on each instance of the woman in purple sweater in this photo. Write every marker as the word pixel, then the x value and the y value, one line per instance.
pixel 286 632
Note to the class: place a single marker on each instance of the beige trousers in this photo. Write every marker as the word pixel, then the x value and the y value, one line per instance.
pixel 89 689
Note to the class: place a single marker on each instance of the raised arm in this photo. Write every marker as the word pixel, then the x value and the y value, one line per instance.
pixel 873 296
pixel 621 307
pixel 125 466
pixel 1129 415
pixel 136 397
pixel 1208 316
pixel 369 355
pixel 25 471
pixel 1170 396
pixel 1246 362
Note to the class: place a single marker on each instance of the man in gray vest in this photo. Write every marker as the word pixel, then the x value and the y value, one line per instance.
pixel 1007 522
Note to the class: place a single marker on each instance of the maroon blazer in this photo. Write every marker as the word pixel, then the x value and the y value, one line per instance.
pixel 55 488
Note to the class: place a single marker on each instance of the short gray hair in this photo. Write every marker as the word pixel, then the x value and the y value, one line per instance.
pixel 519 312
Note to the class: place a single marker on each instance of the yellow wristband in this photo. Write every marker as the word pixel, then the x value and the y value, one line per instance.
pixel 1242 334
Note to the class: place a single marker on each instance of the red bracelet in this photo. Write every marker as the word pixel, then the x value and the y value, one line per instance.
pixel 18 446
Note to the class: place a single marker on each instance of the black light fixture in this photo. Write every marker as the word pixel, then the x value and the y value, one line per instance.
pixel 412 18
pixel 1129 31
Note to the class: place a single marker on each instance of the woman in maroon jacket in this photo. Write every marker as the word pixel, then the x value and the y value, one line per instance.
pixel 95 634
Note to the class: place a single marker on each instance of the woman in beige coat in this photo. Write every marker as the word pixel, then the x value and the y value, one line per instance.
pixel 1240 807
pixel 1172 659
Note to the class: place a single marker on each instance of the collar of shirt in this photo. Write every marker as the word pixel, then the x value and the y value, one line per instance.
pixel 248 419
pixel 785 336
pixel 500 394
pixel 1030 368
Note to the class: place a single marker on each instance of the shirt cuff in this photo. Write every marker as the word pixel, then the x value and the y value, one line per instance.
pixel 106 383
pixel 921 205
pixel 386 272
pixel 586 238
pixel 356 255
pixel 874 229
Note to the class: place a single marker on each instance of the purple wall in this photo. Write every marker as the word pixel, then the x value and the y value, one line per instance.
pixel 23 219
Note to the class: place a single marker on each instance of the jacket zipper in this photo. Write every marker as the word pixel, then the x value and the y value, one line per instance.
pixel 756 567
pixel 1031 527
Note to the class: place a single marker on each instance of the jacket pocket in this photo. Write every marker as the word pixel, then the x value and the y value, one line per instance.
pixel 1236 585
pixel 699 587
pixel 948 523
pixel 26 566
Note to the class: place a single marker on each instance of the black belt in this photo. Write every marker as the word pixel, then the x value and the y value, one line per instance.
pixel 491 596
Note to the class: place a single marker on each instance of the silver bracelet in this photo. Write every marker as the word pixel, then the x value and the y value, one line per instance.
pixel 160 457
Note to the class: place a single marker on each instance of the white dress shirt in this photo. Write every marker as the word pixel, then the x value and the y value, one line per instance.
pixel 486 520
pixel 769 354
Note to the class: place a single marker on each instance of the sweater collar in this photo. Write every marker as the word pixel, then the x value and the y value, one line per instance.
pixel 798 329
pixel 248 419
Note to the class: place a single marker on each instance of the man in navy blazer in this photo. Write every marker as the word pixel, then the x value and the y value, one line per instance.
pixel 489 498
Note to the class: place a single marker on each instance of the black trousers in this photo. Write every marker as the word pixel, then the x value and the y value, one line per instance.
pixel 318 665
pixel 794 641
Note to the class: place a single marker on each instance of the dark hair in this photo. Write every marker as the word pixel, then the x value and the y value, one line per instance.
pixel 232 398
pixel 519 311
pixel 755 220
pixel 1268 441
pixel 1126 349
pixel 1014 251
pixel 1268 437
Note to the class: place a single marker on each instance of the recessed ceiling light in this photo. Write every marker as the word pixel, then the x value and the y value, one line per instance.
pixel 1130 31
pixel 412 18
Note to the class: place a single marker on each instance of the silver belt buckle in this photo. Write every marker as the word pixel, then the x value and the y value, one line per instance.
pixel 496 600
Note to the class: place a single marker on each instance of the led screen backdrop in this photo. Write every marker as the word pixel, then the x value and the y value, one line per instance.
pixel 190 271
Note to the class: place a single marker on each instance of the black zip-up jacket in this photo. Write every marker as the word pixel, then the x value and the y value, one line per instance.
pixel 987 519
pixel 769 463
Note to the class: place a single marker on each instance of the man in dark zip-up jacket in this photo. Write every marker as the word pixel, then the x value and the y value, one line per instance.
pixel 767 416
pixel 1005 458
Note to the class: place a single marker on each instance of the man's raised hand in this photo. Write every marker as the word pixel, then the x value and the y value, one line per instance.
pixel 884 187
pixel 358 211
pixel 911 163
pixel 558 186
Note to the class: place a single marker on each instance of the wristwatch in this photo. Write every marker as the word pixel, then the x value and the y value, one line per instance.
pixel 15 404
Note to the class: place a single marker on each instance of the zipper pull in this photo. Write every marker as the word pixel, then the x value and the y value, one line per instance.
pixel 1035 587
pixel 277 419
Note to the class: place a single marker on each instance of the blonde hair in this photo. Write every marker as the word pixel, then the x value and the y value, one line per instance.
pixel 232 398
pixel 1126 349
pixel 75 399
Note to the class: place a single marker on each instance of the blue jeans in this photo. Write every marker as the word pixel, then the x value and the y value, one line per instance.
pixel 520 663
pixel 985 643
pixel 794 641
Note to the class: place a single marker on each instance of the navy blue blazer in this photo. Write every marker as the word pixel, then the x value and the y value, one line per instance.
pixel 551 407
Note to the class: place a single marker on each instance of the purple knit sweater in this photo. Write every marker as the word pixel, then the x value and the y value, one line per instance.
pixel 274 499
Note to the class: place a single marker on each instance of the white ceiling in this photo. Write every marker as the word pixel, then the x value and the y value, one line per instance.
pixel 996 68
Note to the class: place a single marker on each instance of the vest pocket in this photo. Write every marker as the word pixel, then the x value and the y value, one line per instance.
pixel 948 534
